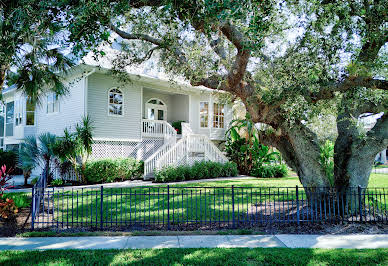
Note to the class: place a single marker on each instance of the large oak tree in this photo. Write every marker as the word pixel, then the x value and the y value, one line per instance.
pixel 288 61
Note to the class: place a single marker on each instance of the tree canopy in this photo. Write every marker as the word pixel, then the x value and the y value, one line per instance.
pixel 30 46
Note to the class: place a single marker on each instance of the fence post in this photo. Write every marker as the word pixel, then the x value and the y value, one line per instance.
pixel 101 207
pixel 233 218
pixel 297 205
pixel 33 209
pixel 360 202
pixel 168 207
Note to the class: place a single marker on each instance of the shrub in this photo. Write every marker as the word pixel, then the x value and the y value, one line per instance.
pixel 9 158
pixel 57 182
pixel 7 207
pixel 178 126
pixel 111 170
pixel 200 170
pixel 270 171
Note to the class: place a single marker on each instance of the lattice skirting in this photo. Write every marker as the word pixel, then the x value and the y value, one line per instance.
pixel 123 149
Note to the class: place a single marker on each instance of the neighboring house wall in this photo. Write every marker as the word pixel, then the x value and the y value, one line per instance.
pixel 71 110
pixel 108 127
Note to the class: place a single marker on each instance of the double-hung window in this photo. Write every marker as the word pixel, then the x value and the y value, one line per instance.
pixel 30 113
pixel 204 114
pixel 52 103
pixel 218 115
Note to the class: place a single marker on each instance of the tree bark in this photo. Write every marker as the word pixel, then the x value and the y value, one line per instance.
pixel 301 153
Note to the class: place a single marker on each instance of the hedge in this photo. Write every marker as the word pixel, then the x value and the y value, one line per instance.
pixel 9 158
pixel 111 170
pixel 200 170
pixel 270 171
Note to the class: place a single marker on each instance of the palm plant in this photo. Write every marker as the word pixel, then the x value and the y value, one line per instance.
pixel 243 146
pixel 28 156
pixel 34 152
pixel 46 151
pixel 76 147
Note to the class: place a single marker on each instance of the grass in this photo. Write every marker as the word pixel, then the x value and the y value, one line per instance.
pixel 149 205
pixel 209 256
pixel 381 166
pixel 140 233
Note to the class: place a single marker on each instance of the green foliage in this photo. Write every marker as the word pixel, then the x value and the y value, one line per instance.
pixel 57 182
pixel 246 151
pixel 28 156
pixel 178 126
pixel 270 171
pixel 7 207
pixel 29 53
pixel 326 159
pixel 34 180
pixel 200 170
pixel 111 170
pixel 21 200
pixel 8 158
pixel 75 148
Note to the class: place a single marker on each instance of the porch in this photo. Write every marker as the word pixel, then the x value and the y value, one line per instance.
pixel 161 105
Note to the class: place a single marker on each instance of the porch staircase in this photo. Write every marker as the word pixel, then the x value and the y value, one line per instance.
pixel 189 149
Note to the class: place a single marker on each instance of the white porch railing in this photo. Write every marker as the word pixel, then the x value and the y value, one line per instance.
pixel 179 154
pixel 157 128
pixel 163 129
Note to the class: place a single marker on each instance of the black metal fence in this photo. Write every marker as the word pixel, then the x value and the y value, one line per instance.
pixel 169 207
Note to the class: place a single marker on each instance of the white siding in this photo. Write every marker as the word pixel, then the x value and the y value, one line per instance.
pixel 126 127
pixel 71 110
pixel 179 108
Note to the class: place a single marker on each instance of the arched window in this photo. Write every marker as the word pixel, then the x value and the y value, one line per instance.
pixel 115 102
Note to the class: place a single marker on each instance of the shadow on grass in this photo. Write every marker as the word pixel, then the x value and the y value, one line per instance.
pixel 219 256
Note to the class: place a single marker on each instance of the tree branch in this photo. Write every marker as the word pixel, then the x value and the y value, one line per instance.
pixel 328 90
pixel 129 36
pixel 237 72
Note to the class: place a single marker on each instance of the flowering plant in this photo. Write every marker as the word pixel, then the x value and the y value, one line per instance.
pixel 7 205
pixel 4 178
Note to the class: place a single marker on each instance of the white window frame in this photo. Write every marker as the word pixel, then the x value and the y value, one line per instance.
pixel 208 113
pixel 218 115
pixel 54 102
pixel 157 107
pixel 18 112
pixel 122 102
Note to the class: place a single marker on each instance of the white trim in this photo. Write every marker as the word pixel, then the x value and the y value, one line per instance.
pixel 122 104
pixel 86 87
pixel 208 114
pixel 116 139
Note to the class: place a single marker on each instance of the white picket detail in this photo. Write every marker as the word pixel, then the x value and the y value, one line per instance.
pixel 160 128
pixel 179 154
pixel 157 128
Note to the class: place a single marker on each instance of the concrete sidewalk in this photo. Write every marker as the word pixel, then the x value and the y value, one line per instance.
pixel 198 241
pixel 129 183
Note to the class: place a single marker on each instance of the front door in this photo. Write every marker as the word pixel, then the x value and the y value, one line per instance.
pixel 156 110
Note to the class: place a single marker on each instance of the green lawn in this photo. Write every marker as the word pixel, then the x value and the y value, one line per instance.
pixel 201 201
pixel 210 256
